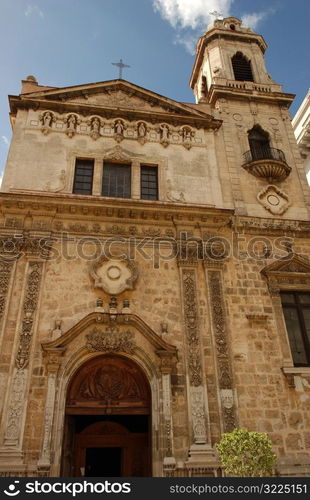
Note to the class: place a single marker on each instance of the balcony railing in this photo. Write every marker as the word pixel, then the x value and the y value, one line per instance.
pixel 267 163
pixel 264 153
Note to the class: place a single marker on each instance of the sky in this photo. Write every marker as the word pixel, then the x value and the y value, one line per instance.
pixel 72 42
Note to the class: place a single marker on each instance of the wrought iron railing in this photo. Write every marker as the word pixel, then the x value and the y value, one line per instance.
pixel 264 153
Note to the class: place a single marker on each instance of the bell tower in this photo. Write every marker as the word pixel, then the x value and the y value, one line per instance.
pixel 256 148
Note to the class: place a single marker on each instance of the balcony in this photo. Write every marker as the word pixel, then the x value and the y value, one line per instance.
pixel 266 163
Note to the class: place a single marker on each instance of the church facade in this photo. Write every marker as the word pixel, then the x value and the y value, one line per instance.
pixel 155 273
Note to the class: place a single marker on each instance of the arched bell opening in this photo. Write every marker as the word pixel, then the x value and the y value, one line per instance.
pixel 107 430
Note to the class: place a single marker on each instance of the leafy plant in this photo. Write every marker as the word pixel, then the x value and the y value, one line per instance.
pixel 246 453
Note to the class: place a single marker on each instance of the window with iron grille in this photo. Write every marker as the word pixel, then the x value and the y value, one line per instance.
pixel 149 182
pixel 83 176
pixel 116 180
pixel 242 68
pixel 296 310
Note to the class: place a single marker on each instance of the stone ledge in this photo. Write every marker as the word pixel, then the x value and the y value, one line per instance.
pixel 290 372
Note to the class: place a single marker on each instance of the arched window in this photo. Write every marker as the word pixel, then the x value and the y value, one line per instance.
pixel 242 68
pixel 259 143
pixel 204 86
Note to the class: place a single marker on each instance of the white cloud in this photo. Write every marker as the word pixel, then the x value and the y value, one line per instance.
pixel 190 18
pixel 5 140
pixel 252 20
pixel 1 177
pixel 191 14
pixel 33 9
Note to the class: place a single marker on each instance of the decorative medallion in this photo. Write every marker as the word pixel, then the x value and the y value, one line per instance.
pixel 274 200
pixel 114 275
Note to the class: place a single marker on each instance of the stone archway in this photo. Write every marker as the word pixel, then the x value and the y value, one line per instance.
pixel 107 428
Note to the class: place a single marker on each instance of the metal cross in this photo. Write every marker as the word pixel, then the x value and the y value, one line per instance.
pixel 216 14
pixel 121 65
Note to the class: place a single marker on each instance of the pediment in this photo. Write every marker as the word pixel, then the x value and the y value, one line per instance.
pixel 105 322
pixel 118 94
pixel 292 263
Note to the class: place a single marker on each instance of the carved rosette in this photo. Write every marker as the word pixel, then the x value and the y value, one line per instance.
pixel 112 339
pixel 221 341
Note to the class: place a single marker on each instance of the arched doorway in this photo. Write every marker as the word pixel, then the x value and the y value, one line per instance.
pixel 107 425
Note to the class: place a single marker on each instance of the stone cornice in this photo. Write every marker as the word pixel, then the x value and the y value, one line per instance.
pixel 53 204
pixel 59 100
pixel 271 226
pixel 250 90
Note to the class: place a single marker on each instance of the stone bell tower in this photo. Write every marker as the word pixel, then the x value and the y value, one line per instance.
pixel 256 148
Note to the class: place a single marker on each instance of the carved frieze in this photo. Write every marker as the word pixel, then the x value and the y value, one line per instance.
pixel 112 339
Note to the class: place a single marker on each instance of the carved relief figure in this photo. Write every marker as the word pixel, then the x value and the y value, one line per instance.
pixel 142 131
pixel 95 125
pixel 47 119
pixel 164 134
pixel 72 122
pixel 187 134
pixel 119 128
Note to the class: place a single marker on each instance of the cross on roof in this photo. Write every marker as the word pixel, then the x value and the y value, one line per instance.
pixel 121 65
pixel 216 14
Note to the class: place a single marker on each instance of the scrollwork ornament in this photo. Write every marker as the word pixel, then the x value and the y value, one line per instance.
pixel 110 340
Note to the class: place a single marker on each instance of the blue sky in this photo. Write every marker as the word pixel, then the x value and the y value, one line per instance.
pixel 70 42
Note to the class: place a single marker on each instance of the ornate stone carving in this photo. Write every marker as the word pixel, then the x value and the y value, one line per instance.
pixel 108 383
pixel 289 272
pixel 142 130
pixel 187 135
pixel 198 415
pixel 164 134
pixel 119 128
pixel 13 247
pixel 47 119
pixel 220 333
pixel 48 420
pixel 114 275
pixel 5 275
pixel 15 408
pixel 29 307
pixel 95 125
pixel 191 325
pixel 16 404
pixel 111 340
pixel 72 121
pixel 171 195
pixel 274 200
